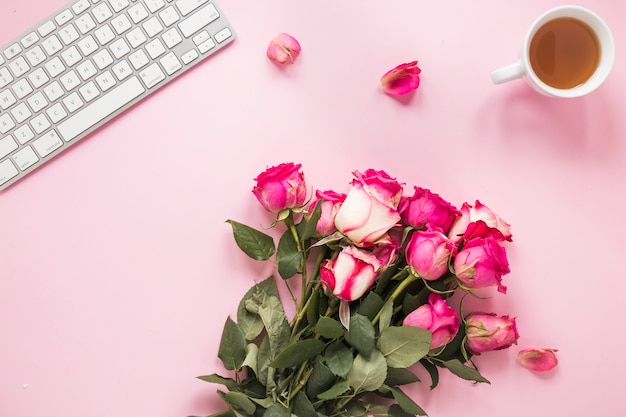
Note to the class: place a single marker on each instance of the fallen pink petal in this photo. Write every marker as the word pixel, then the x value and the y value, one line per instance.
pixel 538 359
pixel 402 79
pixel 283 49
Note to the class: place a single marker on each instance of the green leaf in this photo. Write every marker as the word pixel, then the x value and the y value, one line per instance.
pixel 227 413
pixel 297 353
pixel 406 403
pixel 302 407
pixel 238 402
pixel 255 244
pixel 312 312
pixel 252 354
pixel 433 371
pixel 217 379
pixel 334 391
pixel 232 350
pixel 396 411
pixel 400 376
pixel 329 328
pixel 321 379
pixel 462 371
pixel 371 305
pixel 361 335
pixel 263 360
pixel 385 316
pixel 248 317
pixel 339 359
pixel 288 257
pixel 277 410
pixel 403 346
pixel 368 374
pixel 275 322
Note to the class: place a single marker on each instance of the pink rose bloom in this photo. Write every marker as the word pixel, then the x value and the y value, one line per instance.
pixel 538 359
pixel 481 263
pixel 283 49
pixel 331 201
pixel 438 318
pixel 370 208
pixel 428 253
pixel 487 331
pixel 351 273
pixel 465 227
pixel 427 208
pixel 281 187
pixel 402 79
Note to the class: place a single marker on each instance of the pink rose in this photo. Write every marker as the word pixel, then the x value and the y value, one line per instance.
pixel 428 253
pixel 487 331
pixel 281 187
pixel 538 359
pixel 331 201
pixel 351 273
pixel 370 208
pixel 402 79
pixel 469 225
pixel 427 208
pixel 283 49
pixel 438 318
pixel 481 263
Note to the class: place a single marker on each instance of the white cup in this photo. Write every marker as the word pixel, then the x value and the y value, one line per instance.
pixel 523 68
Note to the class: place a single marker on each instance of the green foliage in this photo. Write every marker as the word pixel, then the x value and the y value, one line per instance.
pixel 311 365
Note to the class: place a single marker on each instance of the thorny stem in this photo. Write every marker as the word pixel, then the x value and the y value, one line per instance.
pixel 396 293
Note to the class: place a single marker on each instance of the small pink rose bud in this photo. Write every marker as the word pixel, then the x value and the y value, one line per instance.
pixel 330 201
pixel 283 49
pixel 538 359
pixel 428 253
pixel 281 187
pixel 438 318
pixel 487 331
pixel 402 79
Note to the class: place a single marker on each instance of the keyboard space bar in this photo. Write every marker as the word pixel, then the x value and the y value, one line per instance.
pixel 100 108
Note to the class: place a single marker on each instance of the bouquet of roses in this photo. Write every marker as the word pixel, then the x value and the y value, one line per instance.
pixel 372 275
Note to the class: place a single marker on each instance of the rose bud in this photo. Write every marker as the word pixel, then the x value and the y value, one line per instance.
pixel 370 208
pixel 427 208
pixel 481 263
pixel 281 187
pixel 487 331
pixel 438 318
pixel 402 79
pixel 331 201
pixel 350 274
pixel 493 223
pixel 538 359
pixel 428 253
pixel 283 49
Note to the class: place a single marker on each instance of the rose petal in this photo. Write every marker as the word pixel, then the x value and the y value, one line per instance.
pixel 538 359
pixel 402 79
pixel 283 49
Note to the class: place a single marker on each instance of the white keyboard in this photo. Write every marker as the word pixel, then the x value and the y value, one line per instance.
pixel 90 61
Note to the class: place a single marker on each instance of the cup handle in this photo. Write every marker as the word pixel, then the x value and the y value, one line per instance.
pixel 508 73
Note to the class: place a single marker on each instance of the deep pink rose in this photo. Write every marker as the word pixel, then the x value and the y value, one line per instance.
pixel 469 226
pixel 370 208
pixel 438 318
pixel 331 201
pixel 402 79
pixel 481 263
pixel 427 208
pixel 283 49
pixel 487 331
pixel 351 273
pixel 428 253
pixel 538 359
pixel 281 187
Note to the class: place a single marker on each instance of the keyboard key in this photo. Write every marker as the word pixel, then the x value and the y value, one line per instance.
pixel 35 56
pixel 6 123
pixel 73 102
pixel 119 5
pixel 7 99
pixel 12 51
pixel 170 63
pixel 222 35
pixel 152 26
pixel 189 56
pixel 46 28
pixel 102 12
pixel 85 23
pixel 22 88
pixel 5 77
pixel 121 24
pixel 56 113
pixel 86 70
pixel 188 6
pixel 80 6
pixel 47 144
pixel 152 75
pixel 138 13
pixel 172 38
pixel 29 40
pixel 197 21
pixel 25 158
pixel 63 17
pixel 89 91
pixel 21 113
pixel 139 59
pixel 7 171
pixel 71 56
pixel 122 70
pixel 105 81
pixel 88 45
pixel 55 66
pixel 100 108
pixel 68 34
pixel 7 145
pixel 23 134
pixel 155 49
pixel 104 34
pixel 40 123
pixel 155 5
pixel 38 77
pixel 37 102
pixel 19 66
pixel 169 16
pixel 52 45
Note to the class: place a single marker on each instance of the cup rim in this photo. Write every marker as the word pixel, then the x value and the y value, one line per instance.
pixel 607 49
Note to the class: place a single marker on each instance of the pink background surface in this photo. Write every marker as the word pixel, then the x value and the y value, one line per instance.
pixel 118 269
